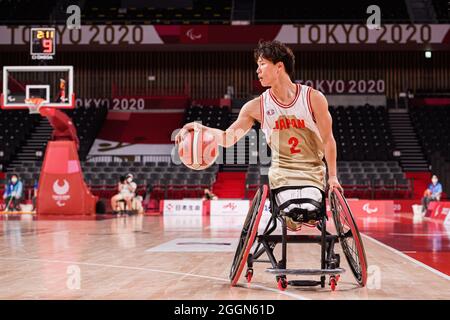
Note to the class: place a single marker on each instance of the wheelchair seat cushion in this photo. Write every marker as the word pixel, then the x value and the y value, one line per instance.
pixel 298 213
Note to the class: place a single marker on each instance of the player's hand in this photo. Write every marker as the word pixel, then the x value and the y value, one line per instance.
pixel 186 128
pixel 334 183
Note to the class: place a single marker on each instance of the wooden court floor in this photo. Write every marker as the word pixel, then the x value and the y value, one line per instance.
pixel 155 257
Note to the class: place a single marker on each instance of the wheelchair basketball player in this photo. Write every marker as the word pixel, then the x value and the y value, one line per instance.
pixel 297 126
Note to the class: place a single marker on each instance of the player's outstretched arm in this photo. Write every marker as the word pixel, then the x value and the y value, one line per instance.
pixel 319 104
pixel 247 116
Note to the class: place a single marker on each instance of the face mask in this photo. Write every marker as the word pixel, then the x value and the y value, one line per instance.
pixel 434 181
pixel 13 180
pixel 129 180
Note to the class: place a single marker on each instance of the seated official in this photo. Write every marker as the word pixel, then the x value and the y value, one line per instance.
pixel 127 189
pixel 127 196
pixel 13 193
pixel 432 193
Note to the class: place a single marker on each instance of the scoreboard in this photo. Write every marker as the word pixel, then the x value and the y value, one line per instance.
pixel 42 43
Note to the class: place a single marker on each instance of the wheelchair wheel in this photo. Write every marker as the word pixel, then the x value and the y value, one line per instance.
pixel 349 236
pixel 248 234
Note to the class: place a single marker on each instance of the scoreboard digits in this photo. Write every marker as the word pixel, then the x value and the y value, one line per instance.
pixel 42 43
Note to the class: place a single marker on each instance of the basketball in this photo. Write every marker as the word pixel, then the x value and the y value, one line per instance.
pixel 198 149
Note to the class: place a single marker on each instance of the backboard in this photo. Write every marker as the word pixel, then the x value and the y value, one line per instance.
pixel 54 84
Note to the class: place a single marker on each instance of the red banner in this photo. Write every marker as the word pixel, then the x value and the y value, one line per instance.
pixel 371 208
pixel 438 210
pixel 404 206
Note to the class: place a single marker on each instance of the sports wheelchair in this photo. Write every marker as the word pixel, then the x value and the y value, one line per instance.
pixel 347 235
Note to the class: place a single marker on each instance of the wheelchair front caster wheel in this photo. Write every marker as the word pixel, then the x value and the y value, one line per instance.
pixel 282 284
pixel 333 282
pixel 249 275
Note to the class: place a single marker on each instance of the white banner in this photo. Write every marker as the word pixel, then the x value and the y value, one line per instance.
pixel 361 34
pixel 181 222
pixel 229 207
pixel 129 36
pixel 103 147
pixel 183 207
pixel 236 221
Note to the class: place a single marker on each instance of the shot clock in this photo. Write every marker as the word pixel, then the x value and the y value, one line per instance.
pixel 42 43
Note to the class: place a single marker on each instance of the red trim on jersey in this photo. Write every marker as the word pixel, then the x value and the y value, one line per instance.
pixel 297 94
pixel 308 95
pixel 261 108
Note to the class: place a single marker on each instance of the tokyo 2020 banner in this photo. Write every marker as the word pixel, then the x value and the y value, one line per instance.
pixel 132 37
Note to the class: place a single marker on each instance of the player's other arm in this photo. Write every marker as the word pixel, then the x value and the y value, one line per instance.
pixel 237 130
pixel 324 122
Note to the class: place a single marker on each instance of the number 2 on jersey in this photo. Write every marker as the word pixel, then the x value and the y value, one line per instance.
pixel 293 142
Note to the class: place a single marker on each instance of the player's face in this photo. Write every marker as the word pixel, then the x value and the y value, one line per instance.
pixel 266 72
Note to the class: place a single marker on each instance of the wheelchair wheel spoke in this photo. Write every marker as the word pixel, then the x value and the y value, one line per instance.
pixel 349 236
pixel 248 234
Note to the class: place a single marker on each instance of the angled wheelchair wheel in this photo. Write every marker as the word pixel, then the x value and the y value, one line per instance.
pixel 248 234
pixel 349 236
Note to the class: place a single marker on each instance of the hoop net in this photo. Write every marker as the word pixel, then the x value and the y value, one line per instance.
pixel 34 104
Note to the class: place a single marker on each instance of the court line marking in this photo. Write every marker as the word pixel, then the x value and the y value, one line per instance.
pixel 296 296
pixel 420 234
pixel 417 262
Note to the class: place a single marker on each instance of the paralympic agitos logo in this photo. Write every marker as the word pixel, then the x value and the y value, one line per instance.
pixel 61 192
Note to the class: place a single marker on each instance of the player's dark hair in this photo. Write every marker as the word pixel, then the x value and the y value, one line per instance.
pixel 122 179
pixel 275 51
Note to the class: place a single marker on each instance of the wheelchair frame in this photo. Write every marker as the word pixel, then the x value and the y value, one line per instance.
pixel 266 243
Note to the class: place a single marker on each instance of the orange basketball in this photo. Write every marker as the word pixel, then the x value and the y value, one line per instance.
pixel 198 149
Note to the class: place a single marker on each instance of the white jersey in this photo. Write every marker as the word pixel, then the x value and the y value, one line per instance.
pixel 294 138
pixel 128 190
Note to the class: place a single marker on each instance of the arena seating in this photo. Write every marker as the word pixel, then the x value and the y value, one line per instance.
pixel 199 11
pixel 442 10
pixel 88 122
pixel 211 116
pixel 360 179
pixel 319 12
pixel 431 124
pixel 15 127
pixel 18 125
pixel 362 133
pixel 206 12
pixel 367 167
pixel 167 180
pixel 25 10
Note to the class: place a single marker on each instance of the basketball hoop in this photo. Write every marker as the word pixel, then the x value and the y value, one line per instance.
pixel 34 104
